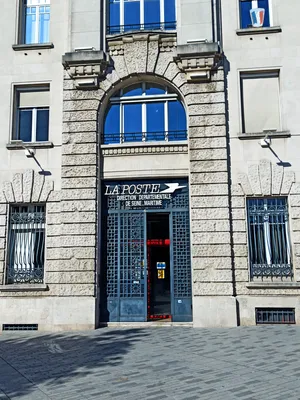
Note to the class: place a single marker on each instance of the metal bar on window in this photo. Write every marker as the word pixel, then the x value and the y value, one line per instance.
pixel 122 137
pixel 160 26
pixel 26 242
pixel 269 245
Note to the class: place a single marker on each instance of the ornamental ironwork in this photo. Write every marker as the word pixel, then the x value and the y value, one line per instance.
pixel 269 240
pixel 26 245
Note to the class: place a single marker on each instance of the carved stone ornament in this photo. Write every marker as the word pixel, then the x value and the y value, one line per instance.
pixel 198 60
pixel 27 187
pixel 86 67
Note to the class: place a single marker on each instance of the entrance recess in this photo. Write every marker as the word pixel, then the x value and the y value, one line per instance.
pixel 158 263
pixel 146 266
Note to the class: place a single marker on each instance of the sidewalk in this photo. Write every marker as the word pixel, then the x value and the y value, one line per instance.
pixel 154 363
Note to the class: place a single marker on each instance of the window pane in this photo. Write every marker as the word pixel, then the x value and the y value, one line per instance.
pixel 132 15
pixel 155 121
pixel 170 14
pixel 42 125
pixel 245 7
pixel 176 121
pixel 152 14
pixel 261 103
pixel 132 122
pixel 265 4
pixel 44 25
pixel 33 98
pixel 30 25
pixel 112 125
pixel 155 89
pixel 135 90
pixel 114 15
pixel 25 125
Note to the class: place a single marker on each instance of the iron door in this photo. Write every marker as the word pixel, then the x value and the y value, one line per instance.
pixel 181 266
pixel 129 273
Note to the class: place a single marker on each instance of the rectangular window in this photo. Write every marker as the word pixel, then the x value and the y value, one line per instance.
pixel 35 21
pixel 26 244
pixel 260 101
pixel 268 238
pixel 31 115
pixel 135 15
pixel 254 14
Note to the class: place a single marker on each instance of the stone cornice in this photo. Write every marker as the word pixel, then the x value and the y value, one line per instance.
pixel 85 67
pixel 131 150
pixel 198 60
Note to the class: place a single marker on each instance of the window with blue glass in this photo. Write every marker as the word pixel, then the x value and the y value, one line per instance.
pixel 31 122
pixel 144 113
pixel 35 22
pixel 135 15
pixel 254 14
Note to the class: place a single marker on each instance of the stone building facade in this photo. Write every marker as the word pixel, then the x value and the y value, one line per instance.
pixel 145 227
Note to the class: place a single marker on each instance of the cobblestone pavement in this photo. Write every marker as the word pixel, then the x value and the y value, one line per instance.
pixel 154 363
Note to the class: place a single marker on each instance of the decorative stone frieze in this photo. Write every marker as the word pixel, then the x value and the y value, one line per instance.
pixel 134 150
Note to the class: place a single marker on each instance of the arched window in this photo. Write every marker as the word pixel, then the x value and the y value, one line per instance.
pixel 145 112
pixel 135 15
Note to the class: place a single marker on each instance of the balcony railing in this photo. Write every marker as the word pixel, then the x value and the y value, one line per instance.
pixel 162 26
pixel 119 138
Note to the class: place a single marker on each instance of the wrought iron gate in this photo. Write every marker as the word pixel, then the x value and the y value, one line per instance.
pixel 125 258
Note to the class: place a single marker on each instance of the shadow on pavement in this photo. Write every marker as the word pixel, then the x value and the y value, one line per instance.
pixel 30 361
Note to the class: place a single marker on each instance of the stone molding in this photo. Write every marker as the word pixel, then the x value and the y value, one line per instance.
pixel 27 187
pixel 266 179
pixel 111 151
pixel 198 61
pixel 85 67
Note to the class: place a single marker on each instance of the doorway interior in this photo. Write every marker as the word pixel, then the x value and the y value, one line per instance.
pixel 158 262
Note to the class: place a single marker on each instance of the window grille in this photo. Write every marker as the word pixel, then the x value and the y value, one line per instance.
pixel 268 237
pixel 275 316
pixel 26 244
pixel 20 327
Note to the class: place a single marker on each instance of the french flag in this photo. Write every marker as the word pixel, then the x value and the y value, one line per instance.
pixel 257 17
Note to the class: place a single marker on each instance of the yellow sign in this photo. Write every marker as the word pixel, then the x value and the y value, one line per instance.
pixel 161 274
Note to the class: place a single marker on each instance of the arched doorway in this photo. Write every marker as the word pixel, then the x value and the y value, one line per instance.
pixel 146 261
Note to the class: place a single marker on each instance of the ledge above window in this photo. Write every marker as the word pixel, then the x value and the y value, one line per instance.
pixel 20 145
pixel 258 31
pixel 261 135
pixel 32 46
pixel 24 288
